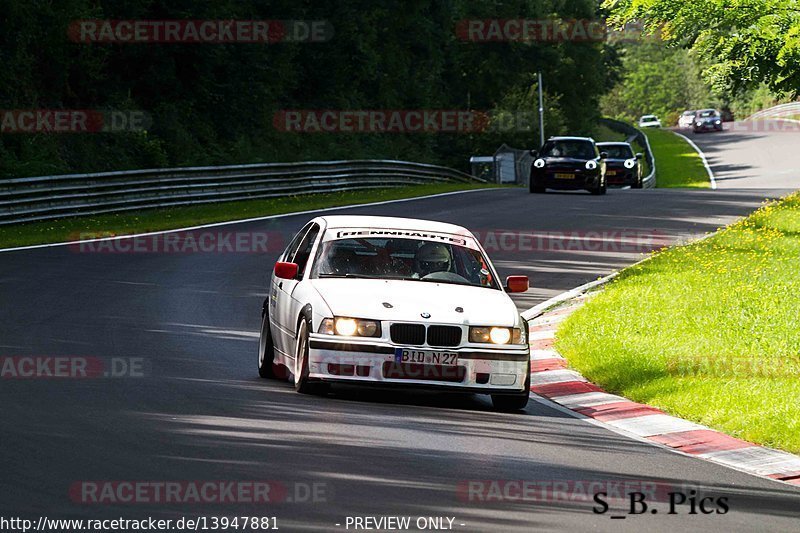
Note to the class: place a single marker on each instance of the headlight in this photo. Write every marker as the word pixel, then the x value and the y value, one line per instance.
pixel 716 122
pixel 494 335
pixel 630 163
pixel 539 163
pixel 591 165
pixel 350 327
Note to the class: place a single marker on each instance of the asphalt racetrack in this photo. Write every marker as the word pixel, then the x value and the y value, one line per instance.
pixel 199 412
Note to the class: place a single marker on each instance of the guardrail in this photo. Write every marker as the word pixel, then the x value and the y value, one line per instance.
pixel 776 112
pixel 50 197
pixel 634 134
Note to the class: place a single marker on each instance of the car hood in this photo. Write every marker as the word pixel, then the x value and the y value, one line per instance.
pixel 364 298
pixel 565 161
pixel 620 162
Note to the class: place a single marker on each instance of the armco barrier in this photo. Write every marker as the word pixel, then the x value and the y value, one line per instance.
pixel 50 197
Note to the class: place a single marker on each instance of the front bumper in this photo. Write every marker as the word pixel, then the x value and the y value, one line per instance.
pixel 621 176
pixel 584 179
pixel 486 370
pixel 707 126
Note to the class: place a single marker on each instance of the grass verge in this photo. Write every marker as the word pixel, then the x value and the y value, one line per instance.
pixel 677 163
pixel 706 331
pixel 177 217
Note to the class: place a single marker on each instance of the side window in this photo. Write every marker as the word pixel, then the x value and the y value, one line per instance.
pixel 304 250
pixel 292 248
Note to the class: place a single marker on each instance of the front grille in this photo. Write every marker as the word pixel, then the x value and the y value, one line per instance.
pixel 408 334
pixel 444 335
pixel 450 374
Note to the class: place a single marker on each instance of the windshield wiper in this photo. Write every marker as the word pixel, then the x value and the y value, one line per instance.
pixel 450 282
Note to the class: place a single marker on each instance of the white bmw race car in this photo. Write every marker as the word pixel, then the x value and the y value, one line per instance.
pixel 394 301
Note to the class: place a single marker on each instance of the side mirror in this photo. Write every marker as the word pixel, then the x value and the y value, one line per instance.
pixel 286 270
pixel 603 155
pixel 517 283
pixel 639 155
pixel 534 153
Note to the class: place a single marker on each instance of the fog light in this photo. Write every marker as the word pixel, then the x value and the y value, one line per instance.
pixel 503 379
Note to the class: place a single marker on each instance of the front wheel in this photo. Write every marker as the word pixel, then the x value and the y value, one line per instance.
pixel 638 184
pixel 535 188
pixel 302 384
pixel 601 187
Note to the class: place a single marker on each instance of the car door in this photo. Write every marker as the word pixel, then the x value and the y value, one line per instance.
pixel 276 300
pixel 287 308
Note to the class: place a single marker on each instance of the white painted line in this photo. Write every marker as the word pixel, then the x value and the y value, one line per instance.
pixel 589 399
pixel 650 425
pixel 242 221
pixel 539 355
pixel 555 376
pixel 702 157
pixel 763 461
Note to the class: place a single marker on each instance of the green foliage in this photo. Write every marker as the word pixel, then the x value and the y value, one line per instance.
pixel 214 103
pixel 742 42
pixel 659 80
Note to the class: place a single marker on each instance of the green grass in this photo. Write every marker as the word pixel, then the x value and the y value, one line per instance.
pixel 677 163
pixel 159 219
pixel 707 331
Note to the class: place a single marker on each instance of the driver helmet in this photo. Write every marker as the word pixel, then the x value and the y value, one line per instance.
pixel 432 257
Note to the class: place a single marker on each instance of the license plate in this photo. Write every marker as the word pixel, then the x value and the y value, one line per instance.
pixel 611 173
pixel 425 357
pixel 564 176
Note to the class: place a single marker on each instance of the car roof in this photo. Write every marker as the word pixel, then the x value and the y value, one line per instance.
pixel 570 138
pixel 377 222
pixel 702 110
pixel 614 143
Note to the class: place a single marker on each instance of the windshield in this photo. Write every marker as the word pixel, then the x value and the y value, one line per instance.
pixel 403 258
pixel 649 118
pixel 617 151
pixel 688 113
pixel 577 149
pixel 708 113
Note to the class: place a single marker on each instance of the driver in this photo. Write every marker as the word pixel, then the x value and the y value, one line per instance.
pixel 431 257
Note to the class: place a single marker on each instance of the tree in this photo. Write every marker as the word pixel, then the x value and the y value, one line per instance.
pixel 742 42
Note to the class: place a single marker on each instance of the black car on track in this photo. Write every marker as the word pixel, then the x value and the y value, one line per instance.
pixel 707 120
pixel 623 166
pixel 568 163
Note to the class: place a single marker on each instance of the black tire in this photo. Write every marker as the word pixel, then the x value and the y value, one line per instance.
pixel 510 403
pixel 638 184
pixel 266 366
pixel 535 188
pixel 302 384
pixel 600 189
